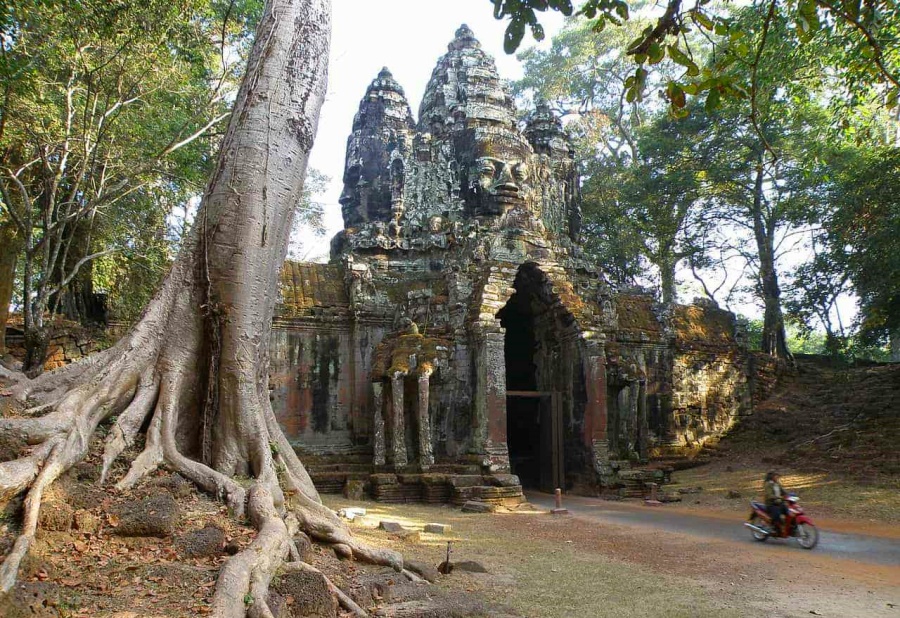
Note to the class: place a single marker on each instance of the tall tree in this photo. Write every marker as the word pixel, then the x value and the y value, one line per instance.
pixel 587 77
pixel 864 240
pixel 213 311
pixel 861 39
pixel 105 106
pixel 9 253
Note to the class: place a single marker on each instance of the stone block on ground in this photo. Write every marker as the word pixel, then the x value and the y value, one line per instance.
pixel 367 588
pixel 504 480
pixel 390 526
pixel 402 591
pixel 32 600
pixel 207 541
pixel 355 490
pixel 306 595
pixel 473 506
pixel 176 484
pixel 423 569
pixel 437 528
pixel 352 513
pixel 155 515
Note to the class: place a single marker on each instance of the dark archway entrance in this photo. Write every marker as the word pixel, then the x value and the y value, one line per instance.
pixel 533 404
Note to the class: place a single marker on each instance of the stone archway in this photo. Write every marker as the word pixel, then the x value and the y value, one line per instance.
pixel 539 356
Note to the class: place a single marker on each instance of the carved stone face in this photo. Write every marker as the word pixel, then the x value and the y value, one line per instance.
pixel 350 198
pixel 499 174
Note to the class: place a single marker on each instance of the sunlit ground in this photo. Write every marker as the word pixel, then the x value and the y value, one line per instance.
pixel 823 493
pixel 530 568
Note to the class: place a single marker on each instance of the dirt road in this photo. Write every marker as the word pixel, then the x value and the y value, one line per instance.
pixel 612 560
pixel 859 547
pixel 847 575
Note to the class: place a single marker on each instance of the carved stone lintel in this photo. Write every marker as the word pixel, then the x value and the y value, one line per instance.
pixel 378 401
pixel 399 437
pixel 426 449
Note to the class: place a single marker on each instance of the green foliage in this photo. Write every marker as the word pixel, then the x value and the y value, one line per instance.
pixel 109 118
pixel 859 37
pixel 864 238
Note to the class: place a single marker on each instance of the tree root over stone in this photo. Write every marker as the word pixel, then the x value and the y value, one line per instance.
pixel 193 370
pixel 146 383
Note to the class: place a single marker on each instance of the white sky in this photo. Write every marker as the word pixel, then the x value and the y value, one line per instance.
pixel 408 37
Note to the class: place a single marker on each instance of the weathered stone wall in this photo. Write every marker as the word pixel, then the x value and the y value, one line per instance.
pixel 70 342
pixel 710 386
pixel 765 373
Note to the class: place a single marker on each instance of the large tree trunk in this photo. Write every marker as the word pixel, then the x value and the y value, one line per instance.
pixel 667 279
pixel 213 311
pixel 9 254
pixel 774 338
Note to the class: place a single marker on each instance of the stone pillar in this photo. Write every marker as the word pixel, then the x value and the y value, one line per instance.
pixel 643 421
pixel 399 429
pixel 490 398
pixel 378 423
pixel 426 450
pixel 596 409
pixel 633 431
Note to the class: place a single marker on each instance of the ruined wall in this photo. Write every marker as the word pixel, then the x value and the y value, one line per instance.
pixel 70 341
pixel 320 362
pixel 710 387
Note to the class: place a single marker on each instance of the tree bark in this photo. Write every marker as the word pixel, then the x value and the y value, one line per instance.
pixel 774 339
pixel 667 280
pixel 213 311
pixel 9 255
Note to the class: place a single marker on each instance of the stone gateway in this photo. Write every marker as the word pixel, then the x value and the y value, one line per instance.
pixel 460 344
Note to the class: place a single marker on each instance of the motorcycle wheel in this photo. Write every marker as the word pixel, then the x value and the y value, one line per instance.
pixel 759 536
pixel 807 536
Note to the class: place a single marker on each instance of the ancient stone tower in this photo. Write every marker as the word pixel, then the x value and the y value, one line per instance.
pixel 459 336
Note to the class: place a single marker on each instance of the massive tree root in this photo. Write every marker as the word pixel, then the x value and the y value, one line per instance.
pixel 193 371
pixel 148 381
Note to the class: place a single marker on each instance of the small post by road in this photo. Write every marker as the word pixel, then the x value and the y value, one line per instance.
pixel 559 510
pixel 653 500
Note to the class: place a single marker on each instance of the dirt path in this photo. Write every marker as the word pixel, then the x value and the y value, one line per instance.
pixel 832 543
pixel 848 575
pixel 590 566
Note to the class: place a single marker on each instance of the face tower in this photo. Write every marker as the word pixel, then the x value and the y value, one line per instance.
pixel 466 169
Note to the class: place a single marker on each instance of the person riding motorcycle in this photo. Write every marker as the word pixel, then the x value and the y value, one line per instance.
pixel 775 495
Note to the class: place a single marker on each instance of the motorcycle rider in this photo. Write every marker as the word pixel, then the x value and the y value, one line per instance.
pixel 775 495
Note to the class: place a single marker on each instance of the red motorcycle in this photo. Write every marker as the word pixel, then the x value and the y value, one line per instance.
pixel 794 524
